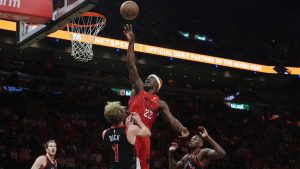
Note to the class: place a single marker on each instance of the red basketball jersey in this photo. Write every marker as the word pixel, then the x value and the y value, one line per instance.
pixel 146 105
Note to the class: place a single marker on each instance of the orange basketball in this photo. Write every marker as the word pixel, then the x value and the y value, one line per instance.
pixel 129 10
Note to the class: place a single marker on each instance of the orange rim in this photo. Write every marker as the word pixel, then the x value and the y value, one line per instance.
pixel 92 14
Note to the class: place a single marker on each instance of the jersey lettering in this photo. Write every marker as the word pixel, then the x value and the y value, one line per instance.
pixel 114 137
pixel 148 114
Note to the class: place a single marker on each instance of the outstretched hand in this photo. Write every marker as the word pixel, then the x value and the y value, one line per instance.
pixel 184 133
pixel 173 147
pixel 128 32
pixel 203 132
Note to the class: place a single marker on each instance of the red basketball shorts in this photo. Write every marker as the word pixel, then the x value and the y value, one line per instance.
pixel 142 148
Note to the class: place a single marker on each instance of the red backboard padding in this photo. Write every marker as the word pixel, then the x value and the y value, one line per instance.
pixel 32 11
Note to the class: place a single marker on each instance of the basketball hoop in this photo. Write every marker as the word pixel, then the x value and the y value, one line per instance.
pixel 83 31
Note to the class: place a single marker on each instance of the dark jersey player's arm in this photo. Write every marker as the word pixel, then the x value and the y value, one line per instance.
pixel 167 115
pixel 134 78
pixel 216 152
pixel 39 162
pixel 173 164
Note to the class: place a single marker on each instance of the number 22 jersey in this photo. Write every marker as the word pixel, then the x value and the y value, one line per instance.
pixel 146 105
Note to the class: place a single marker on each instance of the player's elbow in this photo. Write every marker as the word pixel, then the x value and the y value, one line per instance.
pixel 130 66
pixel 170 119
pixel 174 123
pixel 222 154
pixel 148 133
pixel 145 132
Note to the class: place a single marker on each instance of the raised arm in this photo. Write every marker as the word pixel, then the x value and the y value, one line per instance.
pixel 175 124
pixel 216 152
pixel 39 162
pixel 172 163
pixel 134 78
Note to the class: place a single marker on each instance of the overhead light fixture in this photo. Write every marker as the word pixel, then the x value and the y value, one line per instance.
pixel 184 34
pixel 203 38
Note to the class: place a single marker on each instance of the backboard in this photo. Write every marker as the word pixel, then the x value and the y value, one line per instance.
pixel 28 33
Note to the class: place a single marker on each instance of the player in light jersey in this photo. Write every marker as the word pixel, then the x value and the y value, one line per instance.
pixel 146 103
pixel 199 157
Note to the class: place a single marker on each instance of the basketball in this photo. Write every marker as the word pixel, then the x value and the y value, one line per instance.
pixel 129 10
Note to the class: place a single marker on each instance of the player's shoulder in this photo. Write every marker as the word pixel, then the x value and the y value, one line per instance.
pixel 135 94
pixel 41 159
pixel 142 92
pixel 185 156
pixel 104 132
pixel 162 103
pixel 205 150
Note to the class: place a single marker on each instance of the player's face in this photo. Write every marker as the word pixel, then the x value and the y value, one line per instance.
pixel 150 82
pixel 195 142
pixel 51 149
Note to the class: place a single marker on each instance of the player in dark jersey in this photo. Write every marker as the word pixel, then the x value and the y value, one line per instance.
pixel 120 139
pixel 145 102
pixel 198 157
pixel 47 161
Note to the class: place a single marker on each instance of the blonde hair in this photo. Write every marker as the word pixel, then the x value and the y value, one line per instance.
pixel 114 112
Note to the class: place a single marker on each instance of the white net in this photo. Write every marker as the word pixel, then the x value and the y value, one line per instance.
pixel 83 31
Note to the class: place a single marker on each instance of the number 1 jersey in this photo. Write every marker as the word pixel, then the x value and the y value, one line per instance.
pixel 121 153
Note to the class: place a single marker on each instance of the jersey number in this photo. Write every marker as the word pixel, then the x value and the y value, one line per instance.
pixel 148 114
pixel 115 147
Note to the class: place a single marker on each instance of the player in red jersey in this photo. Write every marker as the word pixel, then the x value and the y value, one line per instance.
pixel 146 103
